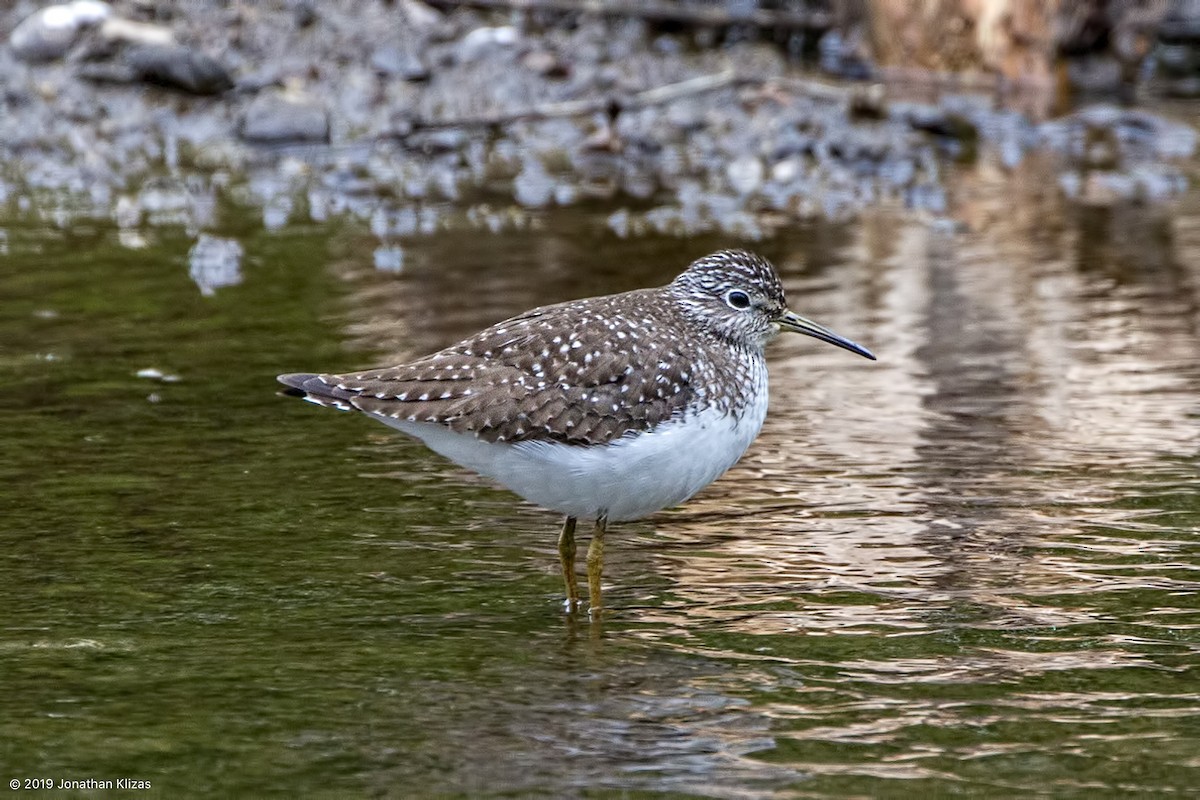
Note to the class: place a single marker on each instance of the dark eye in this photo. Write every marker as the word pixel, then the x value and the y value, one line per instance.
pixel 737 299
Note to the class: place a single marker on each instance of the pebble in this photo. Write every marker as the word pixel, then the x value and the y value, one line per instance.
pixel 276 118
pixel 745 174
pixel 48 34
pixel 178 67
pixel 546 63
pixel 482 42
pixel 420 16
pixel 399 62
pixel 787 170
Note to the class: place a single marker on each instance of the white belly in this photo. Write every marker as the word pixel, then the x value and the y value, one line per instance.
pixel 628 479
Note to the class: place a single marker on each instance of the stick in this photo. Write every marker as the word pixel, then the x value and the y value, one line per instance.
pixel 697 16
pixel 578 108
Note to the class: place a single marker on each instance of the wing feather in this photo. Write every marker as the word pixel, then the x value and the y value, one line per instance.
pixel 580 373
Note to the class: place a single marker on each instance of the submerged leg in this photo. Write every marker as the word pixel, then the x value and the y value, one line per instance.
pixel 566 557
pixel 595 564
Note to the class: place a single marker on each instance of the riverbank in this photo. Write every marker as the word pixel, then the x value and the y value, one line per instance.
pixel 404 116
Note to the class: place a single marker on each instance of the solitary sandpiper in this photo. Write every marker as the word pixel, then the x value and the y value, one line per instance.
pixel 608 408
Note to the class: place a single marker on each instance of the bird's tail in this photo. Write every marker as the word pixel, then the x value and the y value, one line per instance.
pixel 316 389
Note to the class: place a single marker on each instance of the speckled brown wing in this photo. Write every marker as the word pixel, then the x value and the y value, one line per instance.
pixel 584 372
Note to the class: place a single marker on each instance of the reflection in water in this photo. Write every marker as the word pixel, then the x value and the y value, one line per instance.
pixel 970 567
pixel 913 550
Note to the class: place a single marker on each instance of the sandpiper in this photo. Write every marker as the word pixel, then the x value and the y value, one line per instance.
pixel 608 408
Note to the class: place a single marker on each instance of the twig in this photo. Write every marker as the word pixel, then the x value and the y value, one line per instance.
pixel 655 12
pixel 612 104
pixel 674 91
pixel 818 90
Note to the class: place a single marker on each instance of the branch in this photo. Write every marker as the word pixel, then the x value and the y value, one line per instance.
pixel 655 96
pixel 655 12
pixel 611 104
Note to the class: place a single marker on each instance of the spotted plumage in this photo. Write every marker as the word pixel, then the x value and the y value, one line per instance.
pixel 608 407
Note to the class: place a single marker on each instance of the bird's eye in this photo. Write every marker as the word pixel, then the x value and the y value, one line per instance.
pixel 738 299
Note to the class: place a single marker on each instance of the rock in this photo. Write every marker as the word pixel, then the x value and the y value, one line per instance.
pixel 935 120
pixel 418 15
pixel 686 115
pixel 438 142
pixel 178 67
pixel 1095 74
pixel 1181 23
pixel 48 34
pixel 745 174
pixel 787 170
pixel 395 61
pixel 277 117
pixel 546 63
pixel 304 13
pixel 1102 136
pixel 482 42
pixel 846 56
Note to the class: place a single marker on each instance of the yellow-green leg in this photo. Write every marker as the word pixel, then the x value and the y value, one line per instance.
pixel 595 564
pixel 566 556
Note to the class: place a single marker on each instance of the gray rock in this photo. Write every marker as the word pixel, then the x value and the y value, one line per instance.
pixel 304 13
pixel 546 63
pixel 745 174
pixel 419 16
pixel 48 34
pixel 275 118
pixel 399 62
pixel 178 67
pixel 482 42
pixel 1181 23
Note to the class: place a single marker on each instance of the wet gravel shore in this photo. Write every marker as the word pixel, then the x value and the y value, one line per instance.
pixel 411 119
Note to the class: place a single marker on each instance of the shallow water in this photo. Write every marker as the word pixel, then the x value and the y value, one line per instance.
pixel 968 569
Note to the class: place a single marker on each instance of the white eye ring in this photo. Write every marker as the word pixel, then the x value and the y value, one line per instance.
pixel 738 299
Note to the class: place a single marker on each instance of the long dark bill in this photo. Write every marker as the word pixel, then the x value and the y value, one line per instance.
pixel 798 324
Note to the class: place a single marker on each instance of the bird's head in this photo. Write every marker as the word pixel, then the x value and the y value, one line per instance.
pixel 739 295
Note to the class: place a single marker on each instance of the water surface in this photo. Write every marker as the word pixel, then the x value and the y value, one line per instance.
pixel 968 569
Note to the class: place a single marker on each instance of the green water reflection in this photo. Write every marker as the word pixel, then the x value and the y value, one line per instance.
pixel 920 582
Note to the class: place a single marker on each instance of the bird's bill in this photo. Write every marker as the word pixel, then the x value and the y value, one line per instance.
pixel 798 324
